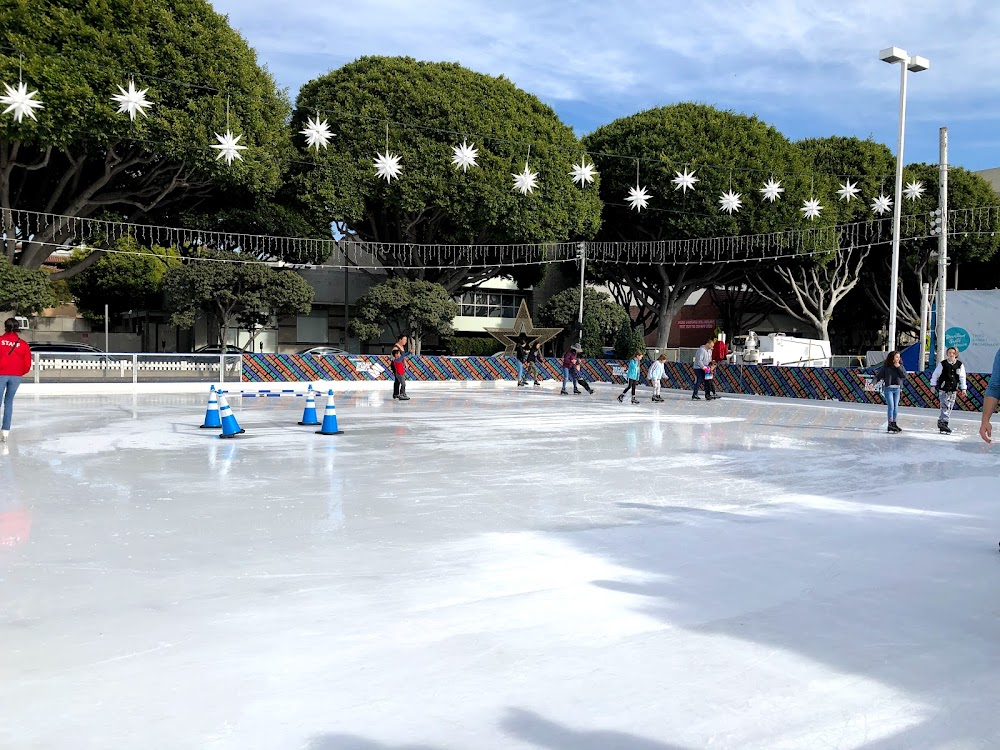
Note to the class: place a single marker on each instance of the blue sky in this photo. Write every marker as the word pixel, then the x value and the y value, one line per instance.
pixel 809 68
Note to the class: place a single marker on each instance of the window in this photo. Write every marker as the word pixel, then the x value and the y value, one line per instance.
pixel 489 304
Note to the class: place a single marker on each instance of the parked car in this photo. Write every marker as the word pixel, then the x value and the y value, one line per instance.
pixel 322 351
pixel 216 349
pixel 45 347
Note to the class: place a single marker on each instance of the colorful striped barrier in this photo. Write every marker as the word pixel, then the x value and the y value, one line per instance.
pixel 816 383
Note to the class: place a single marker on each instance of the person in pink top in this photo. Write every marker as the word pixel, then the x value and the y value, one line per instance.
pixel 15 361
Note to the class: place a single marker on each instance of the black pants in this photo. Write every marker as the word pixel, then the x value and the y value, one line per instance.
pixel 710 387
pixel 399 386
pixel 631 384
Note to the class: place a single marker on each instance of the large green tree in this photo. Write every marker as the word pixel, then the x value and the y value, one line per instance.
pixel 726 151
pixel 412 308
pixel 22 290
pixel 130 279
pixel 81 158
pixel 433 107
pixel 602 316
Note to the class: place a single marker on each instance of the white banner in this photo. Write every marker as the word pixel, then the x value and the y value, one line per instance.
pixel 973 326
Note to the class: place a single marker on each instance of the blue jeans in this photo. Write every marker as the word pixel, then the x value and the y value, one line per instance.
pixel 699 378
pixel 8 387
pixel 568 376
pixel 892 401
pixel 520 371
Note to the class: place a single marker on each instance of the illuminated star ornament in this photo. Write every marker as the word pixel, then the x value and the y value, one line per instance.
pixel 583 173
pixel 684 181
pixel 20 101
pixel 848 190
pixel 914 190
pixel 229 147
pixel 387 166
pixel 730 202
pixel 526 181
pixel 131 101
pixel 882 204
pixel 772 190
pixel 811 208
pixel 464 156
pixel 317 133
pixel 638 198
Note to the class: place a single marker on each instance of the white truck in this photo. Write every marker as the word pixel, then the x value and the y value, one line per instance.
pixel 779 349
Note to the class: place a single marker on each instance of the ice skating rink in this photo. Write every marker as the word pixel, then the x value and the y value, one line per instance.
pixel 497 568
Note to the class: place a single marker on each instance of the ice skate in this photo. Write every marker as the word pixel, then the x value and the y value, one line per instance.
pixel 621 398
pixel 893 427
pixel 635 400
pixel 403 397
pixel 943 427
pixel 577 391
pixel 4 435
pixel 537 384
pixel 563 392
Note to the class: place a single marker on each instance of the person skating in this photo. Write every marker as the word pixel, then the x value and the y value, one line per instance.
pixel 633 378
pixel 581 375
pixel 569 369
pixel 399 373
pixel 15 361
pixel 521 350
pixel 656 373
pixel 710 392
pixel 533 363
pixel 702 359
pixel 892 376
pixel 948 379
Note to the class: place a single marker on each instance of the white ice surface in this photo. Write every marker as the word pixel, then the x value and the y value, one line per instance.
pixel 497 569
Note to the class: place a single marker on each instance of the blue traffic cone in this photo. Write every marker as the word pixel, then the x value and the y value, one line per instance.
pixel 212 414
pixel 309 414
pixel 329 417
pixel 230 427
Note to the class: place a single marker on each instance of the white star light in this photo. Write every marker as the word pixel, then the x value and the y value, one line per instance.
pixel 638 198
pixel 526 181
pixel 772 190
pixel 848 190
pixel 583 173
pixel 464 156
pixel 229 147
pixel 132 101
pixel 811 208
pixel 914 190
pixel 684 181
pixel 882 204
pixel 387 166
pixel 317 133
pixel 730 202
pixel 20 102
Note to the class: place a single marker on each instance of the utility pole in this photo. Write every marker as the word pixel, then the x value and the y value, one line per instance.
pixel 942 290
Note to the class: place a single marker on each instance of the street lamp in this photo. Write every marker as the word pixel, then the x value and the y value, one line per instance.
pixel 915 64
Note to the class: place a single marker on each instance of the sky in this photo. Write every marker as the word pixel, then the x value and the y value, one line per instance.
pixel 809 68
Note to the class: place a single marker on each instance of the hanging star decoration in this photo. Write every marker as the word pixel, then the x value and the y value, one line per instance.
pixel 317 133
pixel 583 173
pixel 522 327
pixel 914 190
pixel 772 190
pixel 882 204
pixel 730 202
pixel 387 166
pixel 848 190
pixel 684 181
pixel 229 147
pixel 638 198
pixel 131 101
pixel 464 156
pixel 526 181
pixel 20 102
pixel 811 208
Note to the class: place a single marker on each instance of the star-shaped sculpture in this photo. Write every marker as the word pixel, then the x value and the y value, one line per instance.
pixel 522 326
pixel 132 101
pixel 914 190
pixel 730 202
pixel 848 190
pixel 526 181
pixel 228 146
pixel 882 204
pixel 684 181
pixel 638 198
pixel 387 166
pixel 464 156
pixel 811 208
pixel 20 102
pixel 772 190
pixel 583 173
pixel 317 133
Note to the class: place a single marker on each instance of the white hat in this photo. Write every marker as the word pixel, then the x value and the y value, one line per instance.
pixel 576 348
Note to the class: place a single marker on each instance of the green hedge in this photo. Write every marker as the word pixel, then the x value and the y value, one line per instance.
pixel 473 346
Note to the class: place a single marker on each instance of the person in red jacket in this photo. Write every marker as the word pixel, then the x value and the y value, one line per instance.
pixel 15 361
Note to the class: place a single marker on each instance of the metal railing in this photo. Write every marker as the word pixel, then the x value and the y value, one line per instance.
pixel 131 367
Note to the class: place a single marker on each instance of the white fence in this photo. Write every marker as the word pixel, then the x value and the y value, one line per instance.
pixel 135 367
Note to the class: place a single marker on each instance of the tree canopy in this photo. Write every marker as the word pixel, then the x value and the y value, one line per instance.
pixel 123 280
pixel 412 308
pixel 602 316
pixel 22 290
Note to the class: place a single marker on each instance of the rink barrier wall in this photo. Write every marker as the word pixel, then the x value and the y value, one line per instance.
pixel 815 383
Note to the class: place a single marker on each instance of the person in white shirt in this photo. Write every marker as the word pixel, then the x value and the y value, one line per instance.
pixel 656 374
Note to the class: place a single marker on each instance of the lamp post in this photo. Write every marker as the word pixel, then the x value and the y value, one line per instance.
pixel 913 64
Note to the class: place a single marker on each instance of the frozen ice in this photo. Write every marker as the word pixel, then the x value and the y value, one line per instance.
pixel 496 568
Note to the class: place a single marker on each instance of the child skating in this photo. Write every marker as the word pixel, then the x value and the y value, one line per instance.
pixel 948 379
pixel 633 378
pixel 892 376
pixel 656 373
pixel 710 392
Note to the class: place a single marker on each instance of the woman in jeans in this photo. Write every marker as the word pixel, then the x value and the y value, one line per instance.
pixel 15 361
pixel 892 376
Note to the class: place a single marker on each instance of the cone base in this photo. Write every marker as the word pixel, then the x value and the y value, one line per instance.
pixel 210 427
pixel 310 424
pixel 231 435
pixel 338 432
